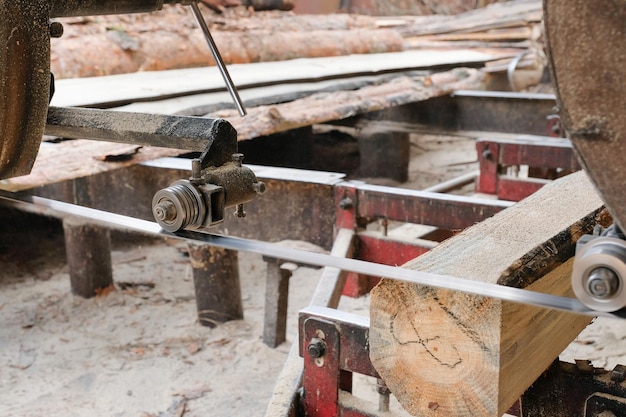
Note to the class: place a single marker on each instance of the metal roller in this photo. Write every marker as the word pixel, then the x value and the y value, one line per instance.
pixel 599 272
pixel 179 206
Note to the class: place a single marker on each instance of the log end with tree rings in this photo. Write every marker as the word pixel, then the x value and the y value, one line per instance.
pixel 599 272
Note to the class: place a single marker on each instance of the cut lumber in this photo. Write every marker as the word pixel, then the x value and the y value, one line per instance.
pixel 114 90
pixel 446 353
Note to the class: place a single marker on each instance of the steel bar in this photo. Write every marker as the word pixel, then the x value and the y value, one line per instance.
pixel 178 132
pixel 197 14
pixel 504 293
pixel 419 207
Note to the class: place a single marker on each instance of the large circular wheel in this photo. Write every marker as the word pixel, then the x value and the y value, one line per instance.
pixel 587 46
pixel 24 83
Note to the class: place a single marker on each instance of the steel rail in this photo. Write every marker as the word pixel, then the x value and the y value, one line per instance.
pixel 516 295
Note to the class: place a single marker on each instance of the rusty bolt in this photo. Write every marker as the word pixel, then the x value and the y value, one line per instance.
pixel 259 187
pixel 618 374
pixel 346 203
pixel 56 29
pixel 237 158
pixel 316 348
pixel 165 211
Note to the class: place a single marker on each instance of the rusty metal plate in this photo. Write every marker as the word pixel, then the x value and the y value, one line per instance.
pixel 24 83
pixel 587 42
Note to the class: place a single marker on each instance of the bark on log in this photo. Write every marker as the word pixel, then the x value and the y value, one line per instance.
pixel 323 107
pixel 445 353
pixel 170 39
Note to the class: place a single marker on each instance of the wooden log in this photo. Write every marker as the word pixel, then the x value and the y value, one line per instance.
pixel 324 107
pixel 216 283
pixel 445 353
pixel 88 248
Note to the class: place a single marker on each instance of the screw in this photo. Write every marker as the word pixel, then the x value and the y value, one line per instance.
pixel 259 187
pixel 316 348
pixel 346 203
pixel 618 374
pixel 56 29
pixel 165 211
pixel 602 283
pixel 240 212
pixel 238 158
pixel 487 154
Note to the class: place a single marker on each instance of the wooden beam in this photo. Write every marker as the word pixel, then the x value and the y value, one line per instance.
pixel 445 353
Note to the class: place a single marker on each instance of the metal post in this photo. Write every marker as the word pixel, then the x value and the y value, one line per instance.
pixel 88 248
pixel 276 301
pixel 384 154
pixel 216 280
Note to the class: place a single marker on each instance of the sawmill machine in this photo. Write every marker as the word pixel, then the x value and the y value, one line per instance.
pixel 586 49
pixel 590 84
pixel 219 180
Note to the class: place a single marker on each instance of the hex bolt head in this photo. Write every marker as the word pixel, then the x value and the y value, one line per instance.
pixel 165 211
pixel 316 348
pixel 346 203
pixel 56 29
pixel 602 283
pixel 618 374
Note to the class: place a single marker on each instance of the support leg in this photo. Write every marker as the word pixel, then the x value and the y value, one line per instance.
pixel 88 248
pixel 216 280
pixel 384 154
pixel 276 302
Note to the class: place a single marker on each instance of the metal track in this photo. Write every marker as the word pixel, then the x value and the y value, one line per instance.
pixel 59 209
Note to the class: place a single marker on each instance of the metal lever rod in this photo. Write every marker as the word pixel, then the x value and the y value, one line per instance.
pixel 218 58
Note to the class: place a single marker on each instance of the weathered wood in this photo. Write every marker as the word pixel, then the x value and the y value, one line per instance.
pixel 324 107
pixel 169 39
pixel 67 160
pixel 88 249
pixel 152 85
pixel 445 353
pixel 216 282
pixel 276 301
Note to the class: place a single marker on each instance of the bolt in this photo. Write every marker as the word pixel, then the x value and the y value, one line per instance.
pixel 165 211
pixel 618 374
pixel 383 395
pixel 56 29
pixel 602 283
pixel 487 154
pixel 316 348
pixel 238 158
pixel 196 169
pixel 259 187
pixel 346 203
pixel 240 212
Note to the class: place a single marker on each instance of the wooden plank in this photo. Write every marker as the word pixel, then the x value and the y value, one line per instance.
pixel 67 160
pixel 497 15
pixel 445 353
pixel 120 89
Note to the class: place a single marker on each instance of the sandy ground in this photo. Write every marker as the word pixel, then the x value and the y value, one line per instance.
pixel 140 351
